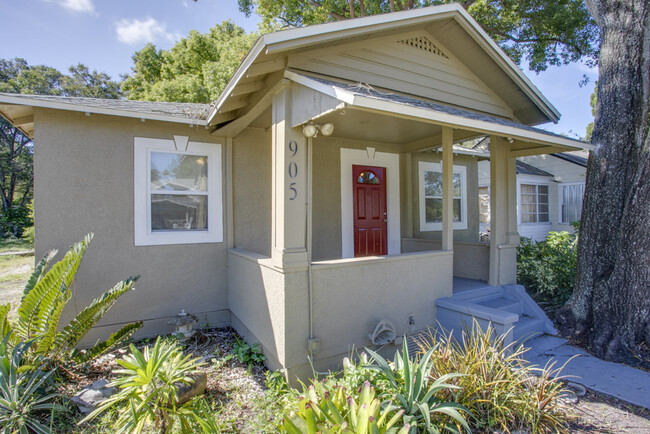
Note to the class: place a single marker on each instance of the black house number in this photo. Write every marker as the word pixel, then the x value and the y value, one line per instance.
pixel 293 169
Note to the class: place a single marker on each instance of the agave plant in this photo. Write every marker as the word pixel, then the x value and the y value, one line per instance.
pixel 338 413
pixel 413 389
pixel 24 392
pixel 45 295
pixel 148 384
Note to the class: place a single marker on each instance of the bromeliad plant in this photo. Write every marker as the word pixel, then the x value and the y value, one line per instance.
pixel 148 397
pixel 412 388
pixel 45 295
pixel 25 392
pixel 336 412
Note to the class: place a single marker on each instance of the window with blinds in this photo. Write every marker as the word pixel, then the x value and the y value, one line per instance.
pixel 571 206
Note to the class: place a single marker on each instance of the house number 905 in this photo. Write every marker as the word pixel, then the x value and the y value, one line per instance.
pixel 293 169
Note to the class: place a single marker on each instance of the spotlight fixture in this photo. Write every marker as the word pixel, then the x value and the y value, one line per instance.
pixel 311 130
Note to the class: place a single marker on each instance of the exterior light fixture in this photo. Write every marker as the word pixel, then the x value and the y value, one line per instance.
pixel 183 323
pixel 311 130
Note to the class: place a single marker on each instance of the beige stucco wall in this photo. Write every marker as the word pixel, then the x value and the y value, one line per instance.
pixel 471 260
pixel 84 183
pixel 470 163
pixel 251 166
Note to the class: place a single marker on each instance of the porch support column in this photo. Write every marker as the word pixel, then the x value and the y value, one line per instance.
pixel 289 189
pixel 447 188
pixel 503 214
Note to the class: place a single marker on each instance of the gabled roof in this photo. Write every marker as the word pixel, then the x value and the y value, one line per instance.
pixel 571 158
pixel 527 169
pixel 270 53
pixel 18 109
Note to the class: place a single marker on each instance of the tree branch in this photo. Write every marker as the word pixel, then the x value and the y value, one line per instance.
pixel 529 40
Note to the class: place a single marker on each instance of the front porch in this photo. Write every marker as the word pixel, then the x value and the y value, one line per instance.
pixel 297 282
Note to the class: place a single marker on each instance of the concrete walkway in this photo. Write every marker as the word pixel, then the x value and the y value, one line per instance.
pixel 620 381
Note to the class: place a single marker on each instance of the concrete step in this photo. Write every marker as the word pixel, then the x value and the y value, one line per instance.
pixel 527 327
pixel 504 303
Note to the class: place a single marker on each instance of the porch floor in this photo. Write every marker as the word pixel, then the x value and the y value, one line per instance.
pixel 461 284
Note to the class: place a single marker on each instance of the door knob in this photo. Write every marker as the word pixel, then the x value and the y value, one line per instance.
pixel 385 220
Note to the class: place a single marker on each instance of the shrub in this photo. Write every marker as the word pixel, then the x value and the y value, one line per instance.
pixel 245 353
pixel 44 297
pixel 499 388
pixel 334 411
pixel 148 394
pixel 25 393
pixel 548 268
pixel 420 398
pixel 15 220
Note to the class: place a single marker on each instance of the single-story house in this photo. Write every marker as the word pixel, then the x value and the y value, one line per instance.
pixel 550 189
pixel 318 196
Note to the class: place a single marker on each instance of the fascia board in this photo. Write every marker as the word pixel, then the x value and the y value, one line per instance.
pixel 503 60
pixel 333 91
pixel 240 72
pixel 304 36
pixel 465 123
pixel 34 102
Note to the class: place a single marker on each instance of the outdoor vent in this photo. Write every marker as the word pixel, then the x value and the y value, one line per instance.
pixel 424 44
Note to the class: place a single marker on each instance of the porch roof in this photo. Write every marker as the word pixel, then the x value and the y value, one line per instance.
pixel 367 98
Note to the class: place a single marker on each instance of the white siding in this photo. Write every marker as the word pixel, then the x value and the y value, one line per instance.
pixel 414 63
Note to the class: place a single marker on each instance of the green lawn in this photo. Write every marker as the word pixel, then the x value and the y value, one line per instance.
pixel 14 271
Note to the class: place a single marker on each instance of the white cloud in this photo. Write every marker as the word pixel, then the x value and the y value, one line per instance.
pixel 134 31
pixel 79 6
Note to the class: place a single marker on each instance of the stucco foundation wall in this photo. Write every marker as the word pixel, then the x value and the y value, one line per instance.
pixel 84 183
pixel 352 296
pixel 470 234
pixel 326 199
pixel 471 260
pixel 252 183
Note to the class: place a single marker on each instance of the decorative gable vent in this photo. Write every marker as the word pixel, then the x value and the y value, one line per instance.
pixel 424 44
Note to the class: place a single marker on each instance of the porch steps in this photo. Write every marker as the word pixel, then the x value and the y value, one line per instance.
pixel 508 308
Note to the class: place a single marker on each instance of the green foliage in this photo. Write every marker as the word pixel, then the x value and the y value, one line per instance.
pixel 500 389
pixel 148 395
pixel 245 353
pixel 25 393
pixel 418 396
pixel 542 32
pixel 17 76
pixel 548 268
pixel 593 100
pixel 45 295
pixel 337 412
pixel 196 69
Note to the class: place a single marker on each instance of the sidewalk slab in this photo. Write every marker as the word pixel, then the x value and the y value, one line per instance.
pixel 620 381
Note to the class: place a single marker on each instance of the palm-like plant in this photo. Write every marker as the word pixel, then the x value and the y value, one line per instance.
pixel 412 388
pixel 148 384
pixel 24 392
pixel 45 295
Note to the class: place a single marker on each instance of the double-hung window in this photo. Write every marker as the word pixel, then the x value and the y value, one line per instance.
pixel 431 196
pixel 571 202
pixel 534 203
pixel 177 192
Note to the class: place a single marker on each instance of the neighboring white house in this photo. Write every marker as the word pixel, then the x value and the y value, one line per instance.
pixel 549 192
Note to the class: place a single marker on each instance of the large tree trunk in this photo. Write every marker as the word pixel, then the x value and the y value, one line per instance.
pixel 610 308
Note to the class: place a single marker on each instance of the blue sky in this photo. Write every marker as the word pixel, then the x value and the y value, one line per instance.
pixel 104 34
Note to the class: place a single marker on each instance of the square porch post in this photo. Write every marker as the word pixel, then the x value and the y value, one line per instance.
pixel 289 189
pixel 447 188
pixel 503 213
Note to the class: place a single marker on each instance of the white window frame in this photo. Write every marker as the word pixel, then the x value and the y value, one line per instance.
pixel 560 199
pixel 425 166
pixel 143 235
pixel 530 180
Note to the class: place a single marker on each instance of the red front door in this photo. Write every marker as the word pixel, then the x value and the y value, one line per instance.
pixel 370 218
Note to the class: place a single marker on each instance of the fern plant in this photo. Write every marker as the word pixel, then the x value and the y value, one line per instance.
pixel 45 295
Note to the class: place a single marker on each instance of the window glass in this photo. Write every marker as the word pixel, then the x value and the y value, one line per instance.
pixel 367 177
pixel 534 203
pixel 178 212
pixel 178 172
pixel 484 204
pixel 572 196
pixel 431 197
